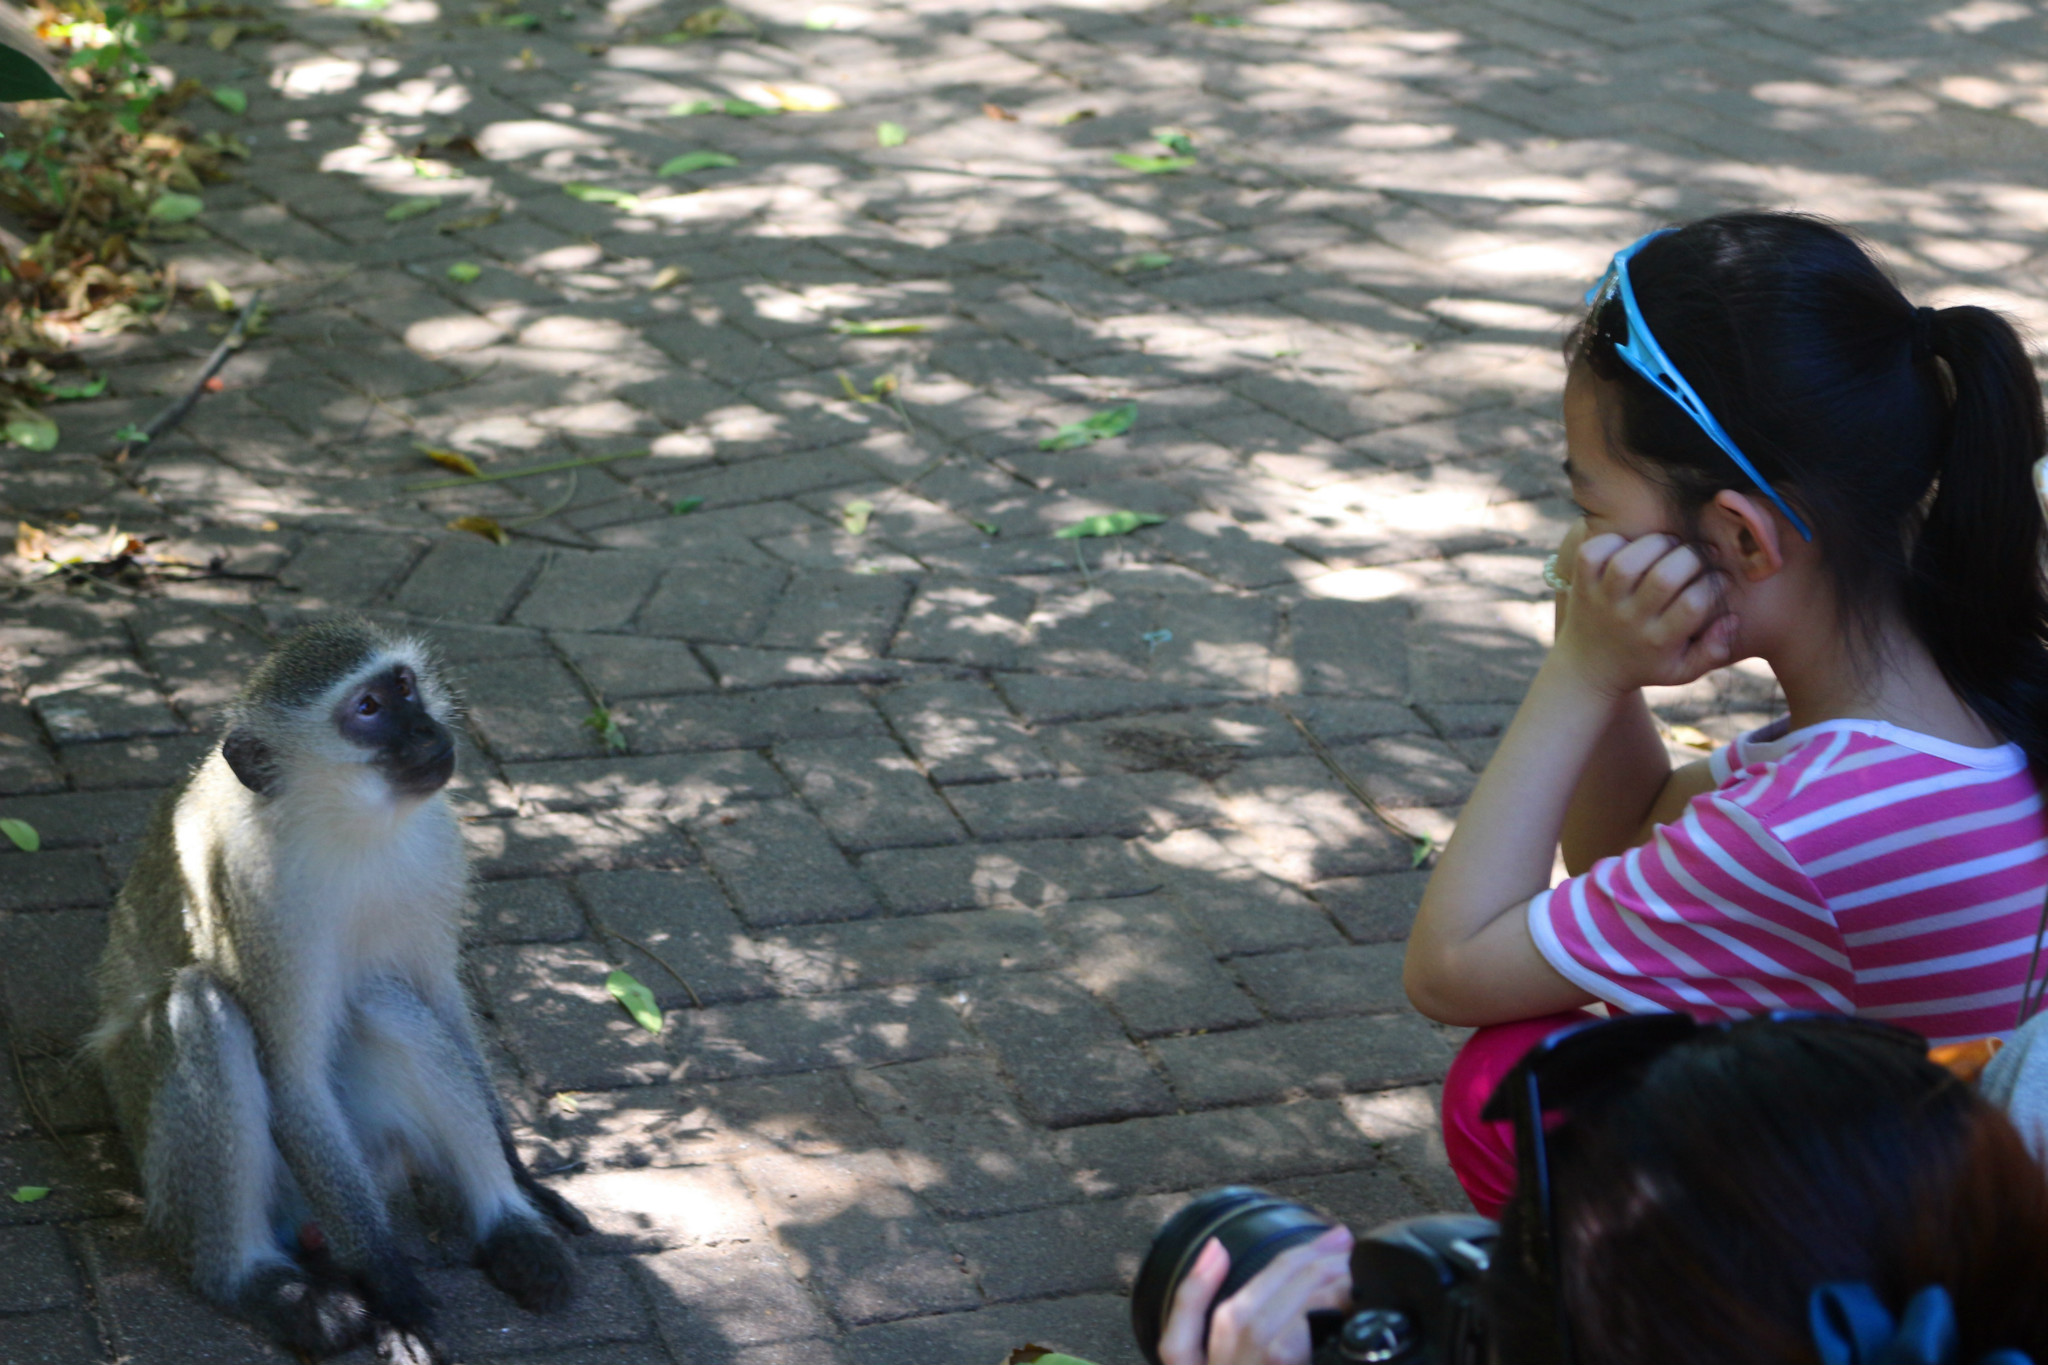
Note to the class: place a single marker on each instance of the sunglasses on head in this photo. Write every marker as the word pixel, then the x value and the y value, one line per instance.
pixel 1599 1058
pixel 1643 355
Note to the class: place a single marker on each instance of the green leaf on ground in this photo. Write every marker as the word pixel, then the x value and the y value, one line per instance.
pixel 21 834
pixel 223 300
pixel 1100 427
pixel 601 194
pixel 176 208
pixel 987 528
pixel 1077 116
pixel 608 732
pixel 465 272
pixel 1143 260
pixel 854 516
pixel 1154 165
pixel 230 99
pixel 487 527
pixel 695 161
pixel 1175 141
pixel 29 429
pixel 734 108
pixel 64 393
pixel 132 434
pixel 1217 20
pixel 1419 854
pixel 682 507
pixel 28 1194
pixel 22 79
pixel 875 393
pixel 1107 524
pixel 410 208
pixel 638 1000
pixel 891 134
pixel 882 327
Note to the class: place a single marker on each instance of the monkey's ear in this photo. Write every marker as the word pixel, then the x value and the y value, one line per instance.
pixel 250 759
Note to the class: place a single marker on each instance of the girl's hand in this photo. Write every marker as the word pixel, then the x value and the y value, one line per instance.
pixel 1644 612
pixel 1266 1322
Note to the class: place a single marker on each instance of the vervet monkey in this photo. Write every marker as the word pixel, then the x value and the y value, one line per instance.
pixel 281 1026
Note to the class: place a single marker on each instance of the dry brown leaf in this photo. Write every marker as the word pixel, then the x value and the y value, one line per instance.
pixel 669 276
pixel 998 113
pixel 487 527
pixel 450 459
pixel 31 542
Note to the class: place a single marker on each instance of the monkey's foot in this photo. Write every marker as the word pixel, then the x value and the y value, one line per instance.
pixel 529 1262
pixel 397 1294
pixel 311 1316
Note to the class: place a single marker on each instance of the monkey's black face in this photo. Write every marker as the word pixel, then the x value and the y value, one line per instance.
pixel 385 714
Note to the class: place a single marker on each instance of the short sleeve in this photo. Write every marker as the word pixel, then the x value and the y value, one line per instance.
pixel 1711 916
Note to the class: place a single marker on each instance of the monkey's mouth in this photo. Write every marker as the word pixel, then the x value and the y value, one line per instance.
pixel 425 774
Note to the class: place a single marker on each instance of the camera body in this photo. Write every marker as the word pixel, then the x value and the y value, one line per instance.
pixel 1414 1283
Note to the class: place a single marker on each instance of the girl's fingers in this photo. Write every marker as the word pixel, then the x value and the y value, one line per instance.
pixel 1269 1317
pixel 1187 1322
pixel 1594 554
pixel 1672 575
pixel 1714 648
pixel 1634 560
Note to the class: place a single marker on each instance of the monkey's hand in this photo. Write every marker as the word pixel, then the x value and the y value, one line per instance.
pixel 396 1293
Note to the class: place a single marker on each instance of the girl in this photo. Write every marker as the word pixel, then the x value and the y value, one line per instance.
pixel 1777 456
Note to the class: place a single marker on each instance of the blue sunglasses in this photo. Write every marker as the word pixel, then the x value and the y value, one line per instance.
pixel 1647 359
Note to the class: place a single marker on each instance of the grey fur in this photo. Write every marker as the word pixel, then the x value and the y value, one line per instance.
pixel 282 1028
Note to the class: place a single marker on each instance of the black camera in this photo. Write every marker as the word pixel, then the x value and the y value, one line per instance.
pixel 1414 1283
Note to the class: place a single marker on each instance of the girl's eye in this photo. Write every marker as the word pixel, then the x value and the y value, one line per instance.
pixel 368 706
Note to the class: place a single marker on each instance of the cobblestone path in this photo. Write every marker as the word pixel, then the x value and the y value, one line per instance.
pixel 1013 904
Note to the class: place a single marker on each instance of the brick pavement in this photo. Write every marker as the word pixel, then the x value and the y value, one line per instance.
pixel 1012 904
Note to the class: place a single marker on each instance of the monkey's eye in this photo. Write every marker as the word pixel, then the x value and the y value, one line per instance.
pixel 368 705
pixel 405 683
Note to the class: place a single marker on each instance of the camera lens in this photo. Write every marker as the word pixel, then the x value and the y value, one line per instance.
pixel 1253 1226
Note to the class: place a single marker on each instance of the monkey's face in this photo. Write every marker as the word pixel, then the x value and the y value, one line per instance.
pixel 386 714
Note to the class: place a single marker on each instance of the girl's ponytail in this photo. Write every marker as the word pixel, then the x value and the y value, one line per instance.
pixel 1975 590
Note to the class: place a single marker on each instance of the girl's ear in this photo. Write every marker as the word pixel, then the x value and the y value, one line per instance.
pixel 1745 536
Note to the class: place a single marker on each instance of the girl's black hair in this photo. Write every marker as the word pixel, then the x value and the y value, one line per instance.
pixel 1697 1208
pixel 1833 384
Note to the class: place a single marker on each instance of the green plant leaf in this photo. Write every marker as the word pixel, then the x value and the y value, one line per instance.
pixel 21 834
pixel 410 208
pixel 987 528
pixel 1099 427
pixel 465 272
pixel 132 434
pixel 1217 20
pixel 1154 165
pixel 1143 260
pixel 891 134
pixel 600 194
pixel 747 109
pixel 21 78
pixel 695 161
pixel 1107 524
pixel 28 1194
pixel 1175 141
pixel 64 393
pixel 176 208
pixel 230 99
pixel 885 327
pixel 691 108
pixel 1419 854
pixel 854 516
pixel 29 429
pixel 682 507
pixel 638 1000
pixel 608 732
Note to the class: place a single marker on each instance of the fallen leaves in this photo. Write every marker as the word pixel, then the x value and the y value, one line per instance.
pixel 465 272
pixel 880 327
pixel 668 277
pixel 29 429
pixel 638 1000
pixel 410 208
pixel 1141 261
pixel 1107 524
pixel 854 516
pixel 470 221
pixel 607 728
pixel 1154 165
pixel 230 99
pixel 695 161
pixel 875 393
pixel 176 208
pixel 998 113
pixel 453 460
pixel 682 507
pixel 29 1194
pixel 487 527
pixel 1099 427
pixel 732 108
pixel 21 834
pixel 890 134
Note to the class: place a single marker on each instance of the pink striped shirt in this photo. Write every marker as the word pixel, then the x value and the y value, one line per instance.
pixel 1850 867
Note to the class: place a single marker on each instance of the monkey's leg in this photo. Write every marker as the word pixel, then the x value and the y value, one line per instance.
pixel 407 1074
pixel 212 1175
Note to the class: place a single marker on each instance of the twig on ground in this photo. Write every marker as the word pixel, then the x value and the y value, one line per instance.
pixel 175 413
pixel 1423 844
pixel 555 467
pixel 653 956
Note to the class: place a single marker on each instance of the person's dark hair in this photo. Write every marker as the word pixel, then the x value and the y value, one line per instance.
pixel 1700 1201
pixel 1825 375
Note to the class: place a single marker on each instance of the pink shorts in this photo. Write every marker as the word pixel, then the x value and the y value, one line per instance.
pixel 1482 1154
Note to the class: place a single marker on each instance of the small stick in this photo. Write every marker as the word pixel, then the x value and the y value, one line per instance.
pixel 1351 784
pixel 557 466
pixel 175 413
pixel 604 928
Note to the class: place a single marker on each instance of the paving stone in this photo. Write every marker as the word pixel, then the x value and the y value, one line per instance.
pixel 26 763
pixel 780 865
pixel 735 1304
pixel 1475 651
pixel 836 613
pixel 749 720
pixel 588 591
pixel 1094 1327
pixel 1049 700
pixel 1362 1200
pixel 980 623
pixel 1066 1054
pixel 88 1176
pixel 1374 909
pixel 153 762
pixel 623 666
pixel 1006 876
pixel 1407 1127
pixel 549 1003
pixel 148 1312
pixel 529 708
pixel 531 911
pixel 767 1037
pixel 96 697
pixel 565 841
pixel 1217 1147
pixel 855 1231
pixel 1092 1248
pixel 891 952
pixel 661 1208
pixel 1127 804
pixel 687 784
pixel 44 959
pixel 808 1113
pixel 959 1139
pixel 71 819
pixel 41 1272
pixel 468 580
pixel 682 918
pixel 62 1337
pixel 52 880
pixel 1148 965
pixel 1237 908
pixel 1351 647
pixel 962 732
pixel 475 1316
pixel 1360 979
pixel 1320 1057
pixel 868 793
